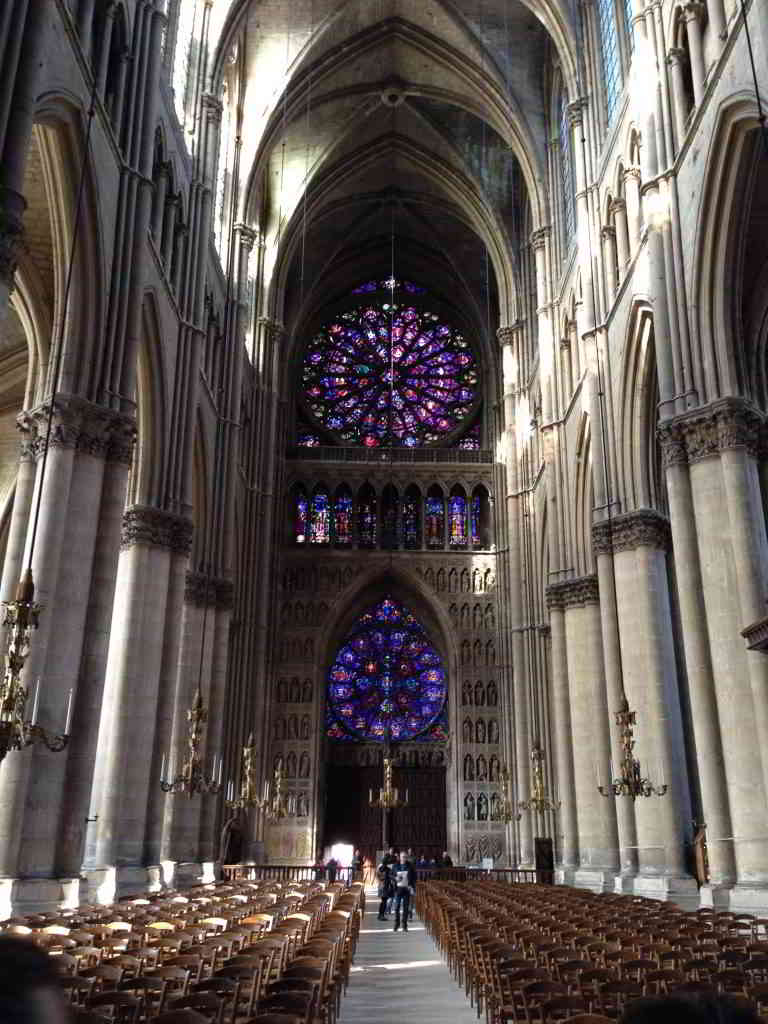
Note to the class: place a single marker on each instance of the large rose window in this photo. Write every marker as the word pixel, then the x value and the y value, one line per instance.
pixel 387 681
pixel 390 374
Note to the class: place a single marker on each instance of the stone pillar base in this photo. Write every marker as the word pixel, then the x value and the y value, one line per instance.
pixel 680 889
pixel 188 873
pixel 749 899
pixel 137 881
pixel 100 885
pixel 624 883
pixel 38 895
pixel 564 875
pixel 596 879
pixel 715 896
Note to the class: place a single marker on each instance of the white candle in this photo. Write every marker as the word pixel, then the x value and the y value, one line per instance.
pixel 69 714
pixel 221 768
pixel 36 702
pixel 162 768
pixel 230 790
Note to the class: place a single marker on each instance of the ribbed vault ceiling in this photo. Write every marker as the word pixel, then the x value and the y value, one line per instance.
pixel 373 120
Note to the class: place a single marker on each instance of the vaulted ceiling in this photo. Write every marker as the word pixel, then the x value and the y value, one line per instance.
pixel 394 133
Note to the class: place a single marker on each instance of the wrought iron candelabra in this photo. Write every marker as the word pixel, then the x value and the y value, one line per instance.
pixel 631 781
pixel 388 797
pixel 540 800
pixel 275 804
pixel 16 731
pixel 192 780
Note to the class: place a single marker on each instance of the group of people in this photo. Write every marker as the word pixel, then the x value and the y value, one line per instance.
pixel 396 877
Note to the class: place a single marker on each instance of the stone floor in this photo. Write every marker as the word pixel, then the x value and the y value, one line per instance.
pixel 400 977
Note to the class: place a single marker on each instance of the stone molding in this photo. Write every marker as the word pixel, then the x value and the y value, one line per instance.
pixel 756 636
pixel 77 423
pixel 575 593
pixel 725 425
pixel 143 524
pixel 642 528
pixel 214 591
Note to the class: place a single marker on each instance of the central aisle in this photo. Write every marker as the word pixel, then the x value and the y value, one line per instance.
pixel 400 976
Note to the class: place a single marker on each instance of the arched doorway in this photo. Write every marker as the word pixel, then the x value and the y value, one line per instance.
pixel 387 689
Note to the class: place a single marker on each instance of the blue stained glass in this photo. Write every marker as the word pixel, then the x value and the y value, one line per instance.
pixel 366 520
pixel 388 697
pixel 308 439
pixel 630 26
pixel 342 519
pixel 302 514
pixel 474 520
pixel 320 519
pixel 471 440
pixel 609 51
pixel 566 173
pixel 389 374
pixel 435 522
pixel 457 521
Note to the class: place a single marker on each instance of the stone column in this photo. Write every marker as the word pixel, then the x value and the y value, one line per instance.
pixel 598 837
pixel 694 11
pixel 632 200
pixel 610 261
pixel 675 59
pixel 634 546
pixel 619 214
pixel 717 445
pixel 561 719
pixel 698 664
pixel 126 742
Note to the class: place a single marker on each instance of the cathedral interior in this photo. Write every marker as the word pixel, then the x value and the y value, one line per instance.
pixel 384 389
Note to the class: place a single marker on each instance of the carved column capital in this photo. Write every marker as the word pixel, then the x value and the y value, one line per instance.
pixel 575 111
pixel 575 593
pixel 728 424
pixel 644 527
pixel 693 10
pixel 617 206
pixel 539 237
pixel 509 334
pixel 89 428
pixel 143 524
pixel 212 106
pixel 608 233
pixel 247 236
pixel 676 55
pixel 273 328
pixel 213 591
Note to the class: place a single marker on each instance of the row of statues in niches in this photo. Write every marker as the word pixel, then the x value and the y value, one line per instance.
pixel 482 769
pixel 294 691
pixel 480 731
pixel 478 694
pixel 482 807
pixel 291 727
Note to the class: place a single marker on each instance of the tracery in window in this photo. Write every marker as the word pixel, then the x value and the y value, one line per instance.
pixel 387 680
pixel 609 53
pixel 411 513
pixel 342 516
pixel 434 517
pixel 320 517
pixel 457 518
pixel 301 520
pixel 389 373
pixel 566 171
pixel 366 516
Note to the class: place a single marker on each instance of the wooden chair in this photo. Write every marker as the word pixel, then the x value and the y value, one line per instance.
pixel 562 1008
pixel 120 1007
pixel 205 1003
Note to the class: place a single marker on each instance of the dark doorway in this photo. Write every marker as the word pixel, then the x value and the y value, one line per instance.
pixel 350 819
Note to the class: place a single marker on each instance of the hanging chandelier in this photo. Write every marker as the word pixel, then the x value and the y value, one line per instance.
pixel 388 796
pixel 540 800
pixel 631 781
pixel 192 780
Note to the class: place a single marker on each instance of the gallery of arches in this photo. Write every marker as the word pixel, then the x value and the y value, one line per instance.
pixel 384 453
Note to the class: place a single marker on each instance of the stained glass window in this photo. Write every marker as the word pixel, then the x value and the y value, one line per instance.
pixel 630 26
pixel 387 680
pixel 411 518
pixel 389 284
pixel 434 518
pixel 609 52
pixel 389 373
pixel 366 517
pixel 471 440
pixel 566 172
pixel 320 518
pixel 389 506
pixel 302 515
pixel 308 439
pixel 474 519
pixel 457 520
pixel 342 517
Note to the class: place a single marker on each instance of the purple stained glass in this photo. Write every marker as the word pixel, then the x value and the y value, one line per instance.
pixel 471 440
pixel 302 515
pixel 387 681
pixel 342 519
pixel 320 519
pixel 434 517
pixel 389 374
pixel 389 284
pixel 457 520
pixel 308 439
pixel 475 519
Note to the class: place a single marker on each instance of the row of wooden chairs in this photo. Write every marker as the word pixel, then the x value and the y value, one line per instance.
pixel 542 954
pixel 225 953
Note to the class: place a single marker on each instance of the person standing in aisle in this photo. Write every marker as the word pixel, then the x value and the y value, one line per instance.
pixel 386 887
pixel 405 883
